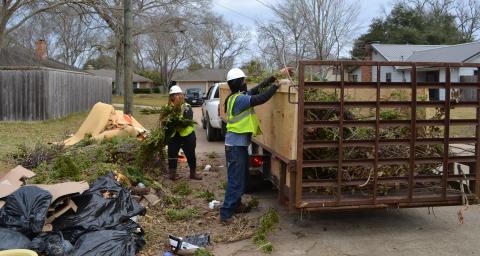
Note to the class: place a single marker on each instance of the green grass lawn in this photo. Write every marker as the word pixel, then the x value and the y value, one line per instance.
pixel 144 99
pixel 16 133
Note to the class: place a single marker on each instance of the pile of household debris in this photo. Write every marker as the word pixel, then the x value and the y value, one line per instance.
pixel 69 218
pixel 104 122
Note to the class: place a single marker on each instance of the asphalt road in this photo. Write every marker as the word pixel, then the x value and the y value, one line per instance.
pixel 395 232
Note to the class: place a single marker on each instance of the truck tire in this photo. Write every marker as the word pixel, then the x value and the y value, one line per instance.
pixel 204 122
pixel 211 132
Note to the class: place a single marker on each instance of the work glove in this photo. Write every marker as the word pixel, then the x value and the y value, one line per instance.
pixel 271 79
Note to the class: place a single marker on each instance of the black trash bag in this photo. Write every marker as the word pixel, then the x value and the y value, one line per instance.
pixel 125 240
pixel 51 244
pixel 26 210
pixel 10 239
pixel 105 205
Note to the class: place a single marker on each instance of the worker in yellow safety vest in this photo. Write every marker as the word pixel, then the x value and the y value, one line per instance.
pixel 242 124
pixel 184 138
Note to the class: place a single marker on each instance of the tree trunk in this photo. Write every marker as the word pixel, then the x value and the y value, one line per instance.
pixel 128 60
pixel 212 59
pixel 2 36
pixel 119 74
pixel 164 71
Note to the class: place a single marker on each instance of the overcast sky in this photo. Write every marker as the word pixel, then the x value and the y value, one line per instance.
pixel 247 11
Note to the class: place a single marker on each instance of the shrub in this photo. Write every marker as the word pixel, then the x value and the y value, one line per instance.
pixel 142 90
pixel 156 90
pixel 32 156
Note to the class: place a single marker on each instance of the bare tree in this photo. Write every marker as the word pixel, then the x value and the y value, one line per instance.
pixel 330 25
pixel 468 17
pixel 38 27
pixel 221 42
pixel 166 59
pixel 77 35
pixel 273 43
pixel 466 13
pixel 14 13
pixel 284 38
pixel 144 12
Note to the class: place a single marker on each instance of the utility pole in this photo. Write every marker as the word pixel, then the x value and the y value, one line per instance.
pixel 128 57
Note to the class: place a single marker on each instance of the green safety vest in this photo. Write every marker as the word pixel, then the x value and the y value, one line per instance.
pixel 244 122
pixel 187 130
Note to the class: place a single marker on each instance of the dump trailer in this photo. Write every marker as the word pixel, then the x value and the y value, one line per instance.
pixel 361 135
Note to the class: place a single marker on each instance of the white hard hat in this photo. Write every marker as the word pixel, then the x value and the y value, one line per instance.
pixel 175 89
pixel 235 73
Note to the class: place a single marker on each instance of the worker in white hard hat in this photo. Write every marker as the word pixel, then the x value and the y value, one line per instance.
pixel 184 138
pixel 242 124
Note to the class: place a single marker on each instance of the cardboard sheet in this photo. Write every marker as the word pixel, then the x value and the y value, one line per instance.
pixel 65 188
pixel 12 180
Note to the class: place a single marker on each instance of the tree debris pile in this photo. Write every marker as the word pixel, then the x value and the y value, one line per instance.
pixel 178 208
pixel 151 152
pixel 361 176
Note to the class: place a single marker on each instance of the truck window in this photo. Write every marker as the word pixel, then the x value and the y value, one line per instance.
pixel 217 92
pixel 209 92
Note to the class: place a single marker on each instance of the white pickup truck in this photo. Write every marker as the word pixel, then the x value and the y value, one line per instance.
pixel 211 120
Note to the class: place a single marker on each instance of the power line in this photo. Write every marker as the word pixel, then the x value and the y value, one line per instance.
pixel 264 4
pixel 239 13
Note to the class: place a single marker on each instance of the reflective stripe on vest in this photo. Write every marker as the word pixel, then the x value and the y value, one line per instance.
pixel 245 122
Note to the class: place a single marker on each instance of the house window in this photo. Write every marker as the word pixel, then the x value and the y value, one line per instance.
pixel 388 77
pixel 354 78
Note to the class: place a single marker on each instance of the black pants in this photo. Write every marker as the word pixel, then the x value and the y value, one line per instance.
pixel 188 145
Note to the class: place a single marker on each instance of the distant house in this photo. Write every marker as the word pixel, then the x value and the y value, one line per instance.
pixel 35 87
pixel 202 78
pixel 460 53
pixel 139 82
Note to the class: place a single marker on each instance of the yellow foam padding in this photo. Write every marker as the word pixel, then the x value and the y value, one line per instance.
pixel 136 124
pixel 94 124
pixel 119 119
pixel 110 134
pixel 18 252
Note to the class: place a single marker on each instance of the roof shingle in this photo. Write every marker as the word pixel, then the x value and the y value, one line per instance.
pixel 111 73
pixel 203 75
pixel 20 57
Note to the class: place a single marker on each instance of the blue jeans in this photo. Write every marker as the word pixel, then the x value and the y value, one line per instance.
pixel 237 165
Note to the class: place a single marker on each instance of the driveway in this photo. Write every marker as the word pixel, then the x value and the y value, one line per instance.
pixel 204 146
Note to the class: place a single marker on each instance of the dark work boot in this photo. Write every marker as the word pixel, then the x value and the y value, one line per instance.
pixel 172 174
pixel 242 208
pixel 194 175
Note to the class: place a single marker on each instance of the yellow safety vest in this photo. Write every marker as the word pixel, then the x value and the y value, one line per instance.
pixel 187 130
pixel 244 122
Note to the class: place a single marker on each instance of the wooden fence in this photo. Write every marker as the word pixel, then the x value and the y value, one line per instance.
pixel 41 94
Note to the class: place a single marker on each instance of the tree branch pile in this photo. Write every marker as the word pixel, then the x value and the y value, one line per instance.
pixel 363 175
